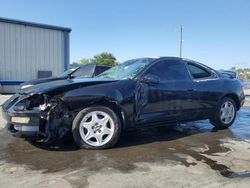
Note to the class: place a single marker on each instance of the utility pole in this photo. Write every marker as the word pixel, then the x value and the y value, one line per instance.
pixel 181 42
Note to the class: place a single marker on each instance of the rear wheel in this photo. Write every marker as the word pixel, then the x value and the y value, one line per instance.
pixel 225 114
pixel 96 128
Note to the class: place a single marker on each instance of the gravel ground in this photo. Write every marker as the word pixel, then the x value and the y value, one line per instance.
pixel 186 155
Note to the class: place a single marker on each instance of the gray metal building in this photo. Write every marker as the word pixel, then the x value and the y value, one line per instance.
pixel 29 51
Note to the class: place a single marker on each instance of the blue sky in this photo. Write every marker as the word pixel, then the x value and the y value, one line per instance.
pixel 216 32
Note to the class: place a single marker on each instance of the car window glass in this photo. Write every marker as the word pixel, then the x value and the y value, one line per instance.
pixel 85 71
pixel 198 72
pixel 100 70
pixel 169 70
pixel 127 70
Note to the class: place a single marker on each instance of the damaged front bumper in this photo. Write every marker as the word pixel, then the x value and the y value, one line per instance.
pixel 23 123
pixel 40 117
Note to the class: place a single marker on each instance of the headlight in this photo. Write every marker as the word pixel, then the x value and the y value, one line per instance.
pixel 26 86
pixel 43 106
pixel 36 102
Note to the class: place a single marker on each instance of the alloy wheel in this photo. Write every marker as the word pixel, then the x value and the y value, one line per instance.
pixel 227 112
pixel 96 128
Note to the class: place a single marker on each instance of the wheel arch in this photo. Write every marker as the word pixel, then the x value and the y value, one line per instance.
pixel 102 101
pixel 235 98
pixel 113 105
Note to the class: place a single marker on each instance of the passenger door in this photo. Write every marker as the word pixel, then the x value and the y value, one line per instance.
pixel 170 99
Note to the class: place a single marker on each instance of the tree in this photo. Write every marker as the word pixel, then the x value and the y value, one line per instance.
pixel 104 59
pixel 84 61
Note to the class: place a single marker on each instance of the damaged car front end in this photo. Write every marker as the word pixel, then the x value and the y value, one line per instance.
pixel 45 112
pixel 30 116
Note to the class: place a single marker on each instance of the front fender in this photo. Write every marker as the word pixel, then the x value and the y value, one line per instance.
pixel 116 96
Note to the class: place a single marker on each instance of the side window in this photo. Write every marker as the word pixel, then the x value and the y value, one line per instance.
pixel 169 70
pixel 198 72
pixel 84 71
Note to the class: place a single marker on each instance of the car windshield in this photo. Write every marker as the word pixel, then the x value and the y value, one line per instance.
pixel 127 70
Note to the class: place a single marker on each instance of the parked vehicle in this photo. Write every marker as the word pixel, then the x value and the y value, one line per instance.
pixel 231 75
pixel 136 93
pixel 85 71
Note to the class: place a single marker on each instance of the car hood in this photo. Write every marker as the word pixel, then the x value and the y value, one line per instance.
pixel 41 80
pixel 62 85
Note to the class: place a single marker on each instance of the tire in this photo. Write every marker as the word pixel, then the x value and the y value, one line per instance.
pixel 221 122
pixel 96 128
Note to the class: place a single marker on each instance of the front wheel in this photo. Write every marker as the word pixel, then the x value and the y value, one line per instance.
pixel 225 114
pixel 96 128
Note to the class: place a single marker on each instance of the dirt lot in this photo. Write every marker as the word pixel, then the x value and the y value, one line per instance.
pixel 186 155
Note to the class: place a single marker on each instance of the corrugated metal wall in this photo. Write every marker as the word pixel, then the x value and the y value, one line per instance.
pixel 25 49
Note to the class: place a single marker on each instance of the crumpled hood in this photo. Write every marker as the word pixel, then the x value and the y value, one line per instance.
pixel 63 85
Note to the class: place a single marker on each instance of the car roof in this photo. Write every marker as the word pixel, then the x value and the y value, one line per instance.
pixel 153 59
pixel 177 58
pixel 184 59
pixel 172 58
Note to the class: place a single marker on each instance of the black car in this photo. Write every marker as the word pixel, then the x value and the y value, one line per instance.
pixel 85 71
pixel 136 93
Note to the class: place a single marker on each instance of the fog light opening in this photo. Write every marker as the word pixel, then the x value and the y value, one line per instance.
pixel 22 120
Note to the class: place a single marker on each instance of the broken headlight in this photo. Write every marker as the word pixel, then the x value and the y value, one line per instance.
pixel 36 102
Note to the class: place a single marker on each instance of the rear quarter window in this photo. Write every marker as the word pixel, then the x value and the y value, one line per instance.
pixel 198 72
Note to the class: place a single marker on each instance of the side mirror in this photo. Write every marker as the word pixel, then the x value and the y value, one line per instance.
pixel 150 79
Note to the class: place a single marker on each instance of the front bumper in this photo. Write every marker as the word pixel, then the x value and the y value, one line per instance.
pixel 22 130
pixel 28 118
pixel 29 129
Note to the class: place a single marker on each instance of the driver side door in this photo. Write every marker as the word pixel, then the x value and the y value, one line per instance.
pixel 171 99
